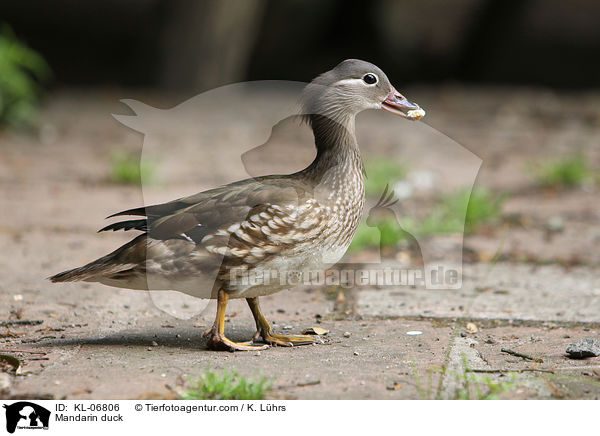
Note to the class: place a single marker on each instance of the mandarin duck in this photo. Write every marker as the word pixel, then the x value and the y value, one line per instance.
pixel 205 244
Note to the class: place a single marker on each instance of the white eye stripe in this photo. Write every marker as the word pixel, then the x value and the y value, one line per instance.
pixel 348 82
pixel 354 81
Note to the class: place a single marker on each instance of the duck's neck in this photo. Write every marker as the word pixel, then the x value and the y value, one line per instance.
pixel 338 156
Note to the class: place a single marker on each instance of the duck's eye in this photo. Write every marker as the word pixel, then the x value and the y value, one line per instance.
pixel 370 79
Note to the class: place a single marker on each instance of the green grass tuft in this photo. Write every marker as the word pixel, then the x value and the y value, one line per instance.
pixel 472 387
pixel 226 385
pixel 365 237
pixel 482 207
pixel 381 172
pixel 127 169
pixel 567 172
pixel 483 388
pixel 469 386
pixel 21 72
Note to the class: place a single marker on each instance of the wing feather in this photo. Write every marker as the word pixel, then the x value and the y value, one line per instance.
pixel 212 209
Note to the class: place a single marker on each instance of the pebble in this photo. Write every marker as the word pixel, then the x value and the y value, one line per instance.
pixel 471 328
pixel 347 334
pixel 287 327
pixel 555 224
pixel 154 344
pixel 587 347
pixel 356 353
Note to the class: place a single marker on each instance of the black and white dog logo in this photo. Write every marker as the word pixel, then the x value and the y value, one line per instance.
pixel 26 415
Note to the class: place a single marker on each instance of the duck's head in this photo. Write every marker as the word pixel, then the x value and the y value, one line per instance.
pixel 353 86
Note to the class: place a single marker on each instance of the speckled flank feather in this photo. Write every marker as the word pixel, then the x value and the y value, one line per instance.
pixel 301 221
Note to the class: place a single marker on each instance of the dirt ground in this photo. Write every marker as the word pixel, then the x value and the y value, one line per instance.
pixel 89 341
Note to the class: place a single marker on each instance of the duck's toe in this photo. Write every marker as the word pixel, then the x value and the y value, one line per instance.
pixel 219 342
pixel 287 340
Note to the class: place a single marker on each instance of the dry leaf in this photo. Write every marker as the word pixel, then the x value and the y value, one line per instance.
pixel 315 331
pixel 394 386
pixel 10 363
pixel 486 256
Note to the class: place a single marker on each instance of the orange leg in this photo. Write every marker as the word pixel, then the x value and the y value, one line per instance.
pixel 263 328
pixel 216 335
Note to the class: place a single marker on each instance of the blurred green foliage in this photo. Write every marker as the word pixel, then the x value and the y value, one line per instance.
pixel 21 72
pixel 367 237
pixel 483 207
pixel 126 168
pixel 381 172
pixel 447 216
pixel 567 172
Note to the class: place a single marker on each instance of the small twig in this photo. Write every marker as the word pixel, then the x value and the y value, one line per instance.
pixel 23 351
pixel 36 358
pixel 299 384
pixel 521 355
pixel 309 383
pixel 50 329
pixel 21 322
pixel 494 371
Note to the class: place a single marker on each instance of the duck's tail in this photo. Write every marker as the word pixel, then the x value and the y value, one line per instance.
pixel 120 260
pixel 81 273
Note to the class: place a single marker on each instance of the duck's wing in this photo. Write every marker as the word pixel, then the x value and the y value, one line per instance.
pixel 236 225
pixel 195 216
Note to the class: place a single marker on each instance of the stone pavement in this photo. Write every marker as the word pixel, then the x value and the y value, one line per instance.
pixel 98 342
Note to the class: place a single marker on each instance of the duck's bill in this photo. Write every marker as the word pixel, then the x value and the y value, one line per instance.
pixel 397 104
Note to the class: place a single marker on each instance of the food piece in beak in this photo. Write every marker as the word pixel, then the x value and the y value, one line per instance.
pixel 396 103
pixel 416 114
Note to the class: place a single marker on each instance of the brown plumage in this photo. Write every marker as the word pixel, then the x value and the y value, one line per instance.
pixel 205 244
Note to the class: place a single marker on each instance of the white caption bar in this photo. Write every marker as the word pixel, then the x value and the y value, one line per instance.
pixel 292 417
